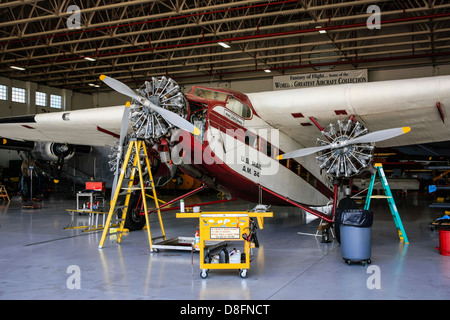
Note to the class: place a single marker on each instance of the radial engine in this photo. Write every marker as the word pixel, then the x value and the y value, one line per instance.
pixel 350 159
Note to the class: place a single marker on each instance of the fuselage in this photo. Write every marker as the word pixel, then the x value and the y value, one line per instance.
pixel 236 152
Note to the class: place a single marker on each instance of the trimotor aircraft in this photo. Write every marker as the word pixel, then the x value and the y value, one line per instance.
pixel 278 147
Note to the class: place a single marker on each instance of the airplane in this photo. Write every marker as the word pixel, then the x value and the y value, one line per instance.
pixel 51 152
pixel 260 147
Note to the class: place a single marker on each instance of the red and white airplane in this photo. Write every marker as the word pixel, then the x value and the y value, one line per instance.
pixel 261 147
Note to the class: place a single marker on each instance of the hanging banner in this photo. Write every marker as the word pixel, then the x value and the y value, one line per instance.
pixel 319 79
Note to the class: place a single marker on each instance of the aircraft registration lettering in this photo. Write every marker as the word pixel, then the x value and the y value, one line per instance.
pixel 256 165
pixel 252 167
pixel 245 160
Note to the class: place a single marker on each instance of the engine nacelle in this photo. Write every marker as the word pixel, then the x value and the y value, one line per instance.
pixel 51 151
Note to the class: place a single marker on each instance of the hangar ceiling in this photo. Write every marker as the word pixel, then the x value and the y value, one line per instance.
pixel 138 39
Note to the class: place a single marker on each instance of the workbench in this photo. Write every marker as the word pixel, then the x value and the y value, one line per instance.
pixel 226 226
pixel 92 196
pixel 92 216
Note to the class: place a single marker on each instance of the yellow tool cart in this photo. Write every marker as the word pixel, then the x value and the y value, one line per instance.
pixel 228 226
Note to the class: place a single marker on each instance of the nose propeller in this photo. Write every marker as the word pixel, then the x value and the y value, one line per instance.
pixel 169 116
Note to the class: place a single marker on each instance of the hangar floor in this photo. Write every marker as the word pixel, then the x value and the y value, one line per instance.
pixel 35 253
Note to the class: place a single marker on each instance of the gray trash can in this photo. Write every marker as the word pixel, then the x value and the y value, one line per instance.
pixel 356 236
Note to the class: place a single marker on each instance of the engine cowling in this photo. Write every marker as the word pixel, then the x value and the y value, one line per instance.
pixel 51 151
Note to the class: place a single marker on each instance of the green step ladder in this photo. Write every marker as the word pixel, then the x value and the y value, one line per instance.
pixel 390 200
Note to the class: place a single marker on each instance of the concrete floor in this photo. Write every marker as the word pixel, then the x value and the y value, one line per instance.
pixel 36 254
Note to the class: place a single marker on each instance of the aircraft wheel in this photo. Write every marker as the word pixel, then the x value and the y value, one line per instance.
pixel 134 221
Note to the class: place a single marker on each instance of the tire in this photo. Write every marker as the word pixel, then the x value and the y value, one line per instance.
pixel 134 221
pixel 204 274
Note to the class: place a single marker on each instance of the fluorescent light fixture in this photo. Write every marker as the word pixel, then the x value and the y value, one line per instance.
pixel 223 44
pixel 89 59
pixel 267 70
pixel 17 68
pixel 94 85
pixel 321 31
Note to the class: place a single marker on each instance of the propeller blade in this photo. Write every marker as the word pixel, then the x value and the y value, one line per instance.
pixel 123 134
pixel 303 152
pixel 381 135
pixel 120 87
pixel 175 119
pixel 169 116
pixel 124 124
pixel 376 136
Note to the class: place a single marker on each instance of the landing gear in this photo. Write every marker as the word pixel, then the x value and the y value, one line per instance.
pixel 134 219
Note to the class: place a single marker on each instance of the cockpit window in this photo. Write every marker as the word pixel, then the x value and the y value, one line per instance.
pixel 232 103
pixel 210 94
pixel 238 107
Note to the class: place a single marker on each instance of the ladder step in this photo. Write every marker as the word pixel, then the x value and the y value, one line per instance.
pixel 380 197
pixel 137 188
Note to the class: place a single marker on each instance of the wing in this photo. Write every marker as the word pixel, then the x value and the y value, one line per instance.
pixel 421 104
pixel 94 127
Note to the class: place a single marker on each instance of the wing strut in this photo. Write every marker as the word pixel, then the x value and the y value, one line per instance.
pixel 319 214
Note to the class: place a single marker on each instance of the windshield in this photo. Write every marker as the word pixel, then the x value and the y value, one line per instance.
pixel 210 94
pixel 232 103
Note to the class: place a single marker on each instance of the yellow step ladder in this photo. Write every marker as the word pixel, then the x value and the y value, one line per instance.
pixel 4 193
pixel 134 148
